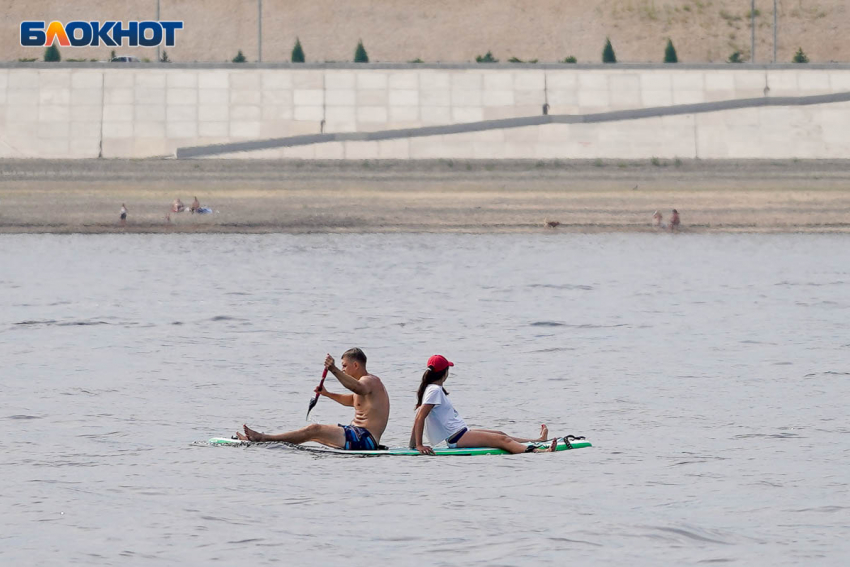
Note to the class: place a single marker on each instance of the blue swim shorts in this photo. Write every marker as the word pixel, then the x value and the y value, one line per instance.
pixel 358 439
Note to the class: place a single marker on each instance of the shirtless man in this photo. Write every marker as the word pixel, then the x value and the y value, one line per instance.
pixel 371 410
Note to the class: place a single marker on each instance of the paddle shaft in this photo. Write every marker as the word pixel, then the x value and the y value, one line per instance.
pixel 322 382
pixel 315 400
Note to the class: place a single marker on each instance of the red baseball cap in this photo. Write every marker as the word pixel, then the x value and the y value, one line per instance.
pixel 439 362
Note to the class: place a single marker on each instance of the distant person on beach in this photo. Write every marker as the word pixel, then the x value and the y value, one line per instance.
pixel 123 215
pixel 657 220
pixel 195 205
pixel 177 206
pixel 437 419
pixel 371 410
pixel 674 221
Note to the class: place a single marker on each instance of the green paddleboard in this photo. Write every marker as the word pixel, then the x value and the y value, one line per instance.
pixel 398 451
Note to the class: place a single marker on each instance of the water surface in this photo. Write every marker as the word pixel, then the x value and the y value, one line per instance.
pixel 710 372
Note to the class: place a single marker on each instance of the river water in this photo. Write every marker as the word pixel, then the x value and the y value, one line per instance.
pixel 711 373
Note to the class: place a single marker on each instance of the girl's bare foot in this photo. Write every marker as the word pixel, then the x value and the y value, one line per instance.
pixel 544 433
pixel 550 449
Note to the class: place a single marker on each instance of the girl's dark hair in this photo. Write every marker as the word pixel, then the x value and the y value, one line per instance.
pixel 428 378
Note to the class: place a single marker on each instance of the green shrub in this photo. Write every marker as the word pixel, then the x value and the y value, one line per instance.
pixel 515 60
pixel 297 52
pixel 27 59
pixel 240 58
pixel 112 55
pixel 670 53
pixel 360 55
pixel 799 57
pixel 164 57
pixel 570 59
pixel 52 55
pixel 608 55
pixel 417 60
pixel 75 60
pixel 735 57
pixel 486 58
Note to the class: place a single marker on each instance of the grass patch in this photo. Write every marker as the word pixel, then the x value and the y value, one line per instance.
pixel 649 11
pixel 486 58
pixel 729 17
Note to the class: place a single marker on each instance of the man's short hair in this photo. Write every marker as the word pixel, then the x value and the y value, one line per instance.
pixel 356 355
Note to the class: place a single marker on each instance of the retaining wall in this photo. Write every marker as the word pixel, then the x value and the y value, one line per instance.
pixel 142 111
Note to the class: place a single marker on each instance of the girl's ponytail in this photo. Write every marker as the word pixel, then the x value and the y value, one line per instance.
pixel 429 377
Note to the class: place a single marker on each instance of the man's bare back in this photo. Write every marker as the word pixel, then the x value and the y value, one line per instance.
pixel 372 410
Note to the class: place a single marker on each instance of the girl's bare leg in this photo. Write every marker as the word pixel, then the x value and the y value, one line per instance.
pixel 486 438
pixel 544 435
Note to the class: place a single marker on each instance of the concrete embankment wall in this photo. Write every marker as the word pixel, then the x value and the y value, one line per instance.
pixel 91 111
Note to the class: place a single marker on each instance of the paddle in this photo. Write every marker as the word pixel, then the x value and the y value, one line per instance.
pixel 314 401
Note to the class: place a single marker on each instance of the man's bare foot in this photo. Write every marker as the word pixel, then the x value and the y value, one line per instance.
pixel 251 435
pixel 544 433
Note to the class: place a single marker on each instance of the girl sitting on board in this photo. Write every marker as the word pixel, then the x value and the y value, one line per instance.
pixel 439 421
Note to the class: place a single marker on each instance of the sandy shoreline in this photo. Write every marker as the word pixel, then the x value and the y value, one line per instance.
pixel 55 196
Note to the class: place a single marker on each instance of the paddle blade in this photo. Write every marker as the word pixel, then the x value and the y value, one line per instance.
pixel 313 402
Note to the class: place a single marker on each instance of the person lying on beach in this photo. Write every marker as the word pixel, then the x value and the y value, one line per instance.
pixel 177 206
pixel 368 398
pixel 438 419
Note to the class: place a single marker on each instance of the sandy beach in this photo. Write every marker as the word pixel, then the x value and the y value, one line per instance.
pixel 47 196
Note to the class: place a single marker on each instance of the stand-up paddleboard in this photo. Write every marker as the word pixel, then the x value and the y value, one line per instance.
pixel 564 444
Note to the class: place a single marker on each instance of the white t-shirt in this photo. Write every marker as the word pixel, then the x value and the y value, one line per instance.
pixel 443 421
